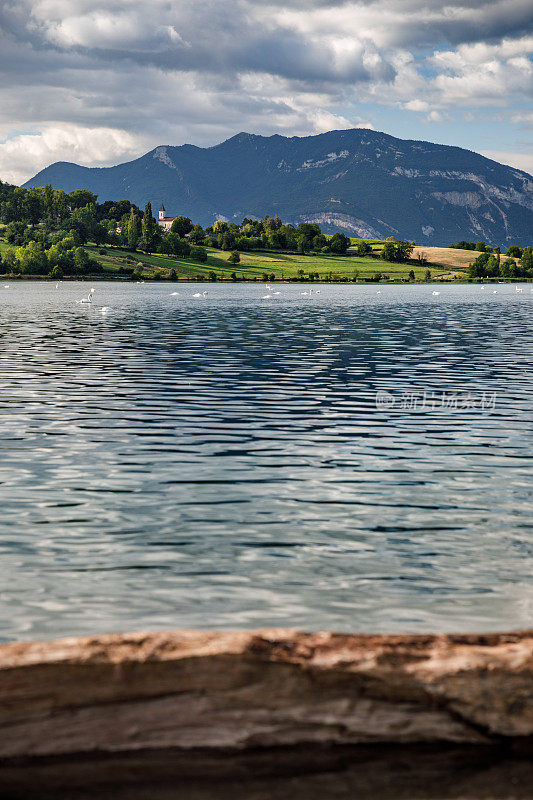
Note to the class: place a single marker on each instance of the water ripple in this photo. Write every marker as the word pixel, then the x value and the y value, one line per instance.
pixel 225 465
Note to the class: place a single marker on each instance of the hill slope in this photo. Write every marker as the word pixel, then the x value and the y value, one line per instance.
pixel 362 182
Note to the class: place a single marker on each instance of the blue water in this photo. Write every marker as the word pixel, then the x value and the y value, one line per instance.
pixel 220 462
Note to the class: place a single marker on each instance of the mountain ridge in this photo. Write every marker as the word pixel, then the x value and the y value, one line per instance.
pixel 366 183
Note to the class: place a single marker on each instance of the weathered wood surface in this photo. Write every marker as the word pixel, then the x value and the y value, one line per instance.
pixel 261 689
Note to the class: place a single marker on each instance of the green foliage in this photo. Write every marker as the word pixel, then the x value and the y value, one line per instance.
pixel 234 257
pixel 487 265
pixel 514 251
pixel 199 254
pixel 362 248
pixel 526 261
pixel 182 226
pixel 397 252
pixel 150 230
pixel 32 259
pixel 14 232
pixel 133 230
pixel 339 243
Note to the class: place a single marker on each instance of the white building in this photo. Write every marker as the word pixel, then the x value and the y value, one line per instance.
pixel 163 221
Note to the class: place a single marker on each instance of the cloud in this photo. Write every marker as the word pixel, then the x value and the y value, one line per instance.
pixel 522 161
pixel 170 72
pixel 88 146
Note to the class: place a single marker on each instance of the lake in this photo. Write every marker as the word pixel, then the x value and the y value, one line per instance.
pixel 358 459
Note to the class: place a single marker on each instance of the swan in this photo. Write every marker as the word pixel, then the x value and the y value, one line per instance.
pixel 519 289
pixel 266 297
pixel 200 294
pixel 275 292
pixel 378 291
pixel 174 294
pixel 106 310
pixel 87 299
pixel 435 293
pixel 304 293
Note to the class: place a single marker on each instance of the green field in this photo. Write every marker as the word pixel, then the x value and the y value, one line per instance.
pixel 255 265
pixel 283 266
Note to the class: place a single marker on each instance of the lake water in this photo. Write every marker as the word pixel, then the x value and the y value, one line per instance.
pixel 223 462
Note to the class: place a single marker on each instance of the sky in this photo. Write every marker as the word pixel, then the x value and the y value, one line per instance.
pixel 99 83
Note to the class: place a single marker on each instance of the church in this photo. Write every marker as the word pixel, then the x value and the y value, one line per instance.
pixel 163 221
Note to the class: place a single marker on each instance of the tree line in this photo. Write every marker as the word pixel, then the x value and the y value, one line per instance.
pixel 49 228
pixel 490 264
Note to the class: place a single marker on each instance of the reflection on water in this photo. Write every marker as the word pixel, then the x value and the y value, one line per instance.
pixel 220 462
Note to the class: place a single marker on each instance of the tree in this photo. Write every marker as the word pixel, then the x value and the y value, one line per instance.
pixel 80 198
pixel 526 261
pixel 9 261
pixel 199 254
pixel 319 241
pixel 32 259
pixel 234 257
pixel 362 248
pixel 306 233
pixel 398 252
pixel 427 276
pixel 403 251
pixel 226 241
pixel 339 243
pixel 149 230
pixel 514 251
pixel 133 230
pixel 388 252
pixel 197 234
pixel 14 232
pixel 81 259
pixel 182 226
pixel 411 275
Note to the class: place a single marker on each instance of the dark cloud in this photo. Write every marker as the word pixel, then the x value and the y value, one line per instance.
pixel 199 71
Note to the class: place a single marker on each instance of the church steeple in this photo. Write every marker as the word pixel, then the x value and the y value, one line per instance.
pixel 162 212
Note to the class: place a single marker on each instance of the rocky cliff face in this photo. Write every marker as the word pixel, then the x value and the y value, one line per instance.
pixel 363 182
pixel 254 690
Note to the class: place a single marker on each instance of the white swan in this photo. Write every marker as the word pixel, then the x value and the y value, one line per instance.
pixel 200 294
pixel 174 294
pixel 106 310
pixel 266 297
pixel 519 289
pixel 435 293
pixel 87 299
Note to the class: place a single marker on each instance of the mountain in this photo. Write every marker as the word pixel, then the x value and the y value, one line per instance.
pixel 359 181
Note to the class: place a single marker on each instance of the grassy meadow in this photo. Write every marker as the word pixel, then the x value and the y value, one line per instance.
pixel 119 263
pixel 255 265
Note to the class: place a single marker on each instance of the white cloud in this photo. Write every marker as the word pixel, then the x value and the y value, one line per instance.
pixel 170 72
pixel 519 160
pixel 87 146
